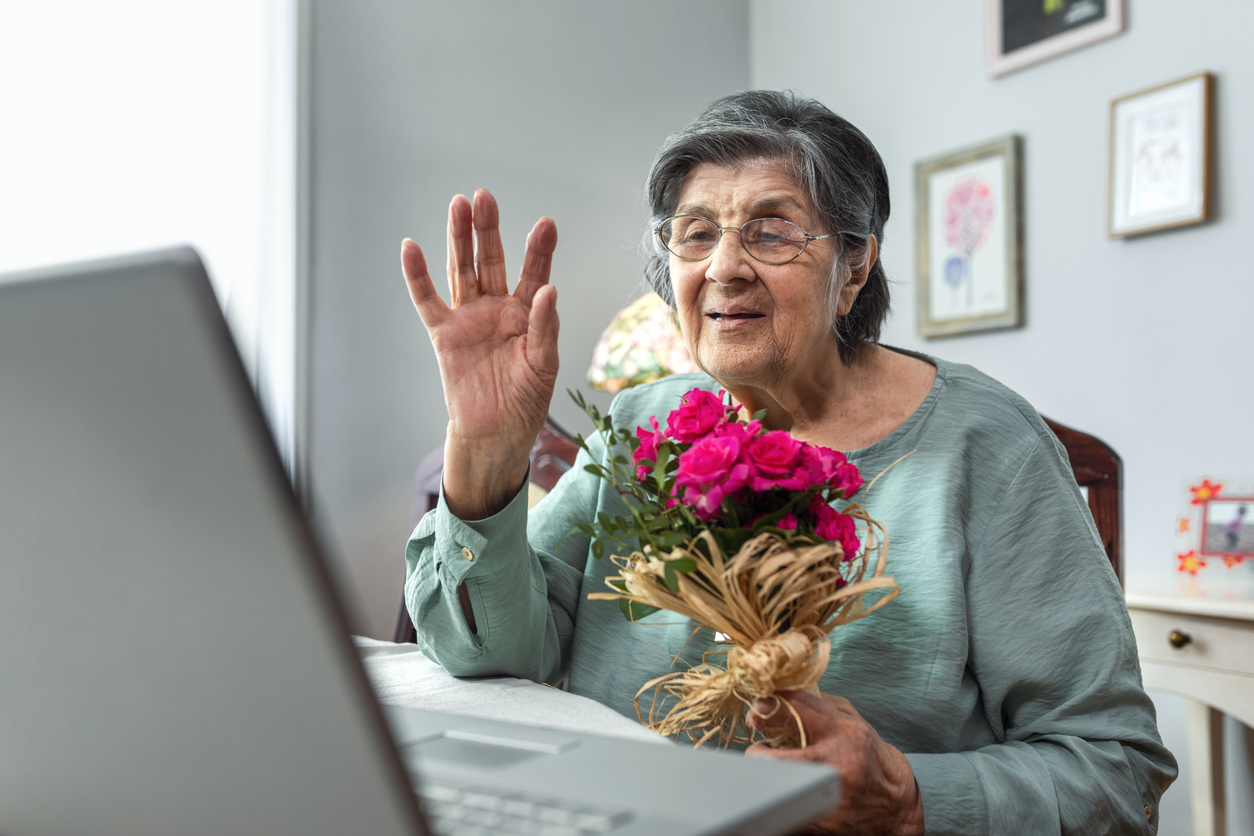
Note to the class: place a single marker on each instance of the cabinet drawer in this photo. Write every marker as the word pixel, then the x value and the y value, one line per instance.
pixel 1217 643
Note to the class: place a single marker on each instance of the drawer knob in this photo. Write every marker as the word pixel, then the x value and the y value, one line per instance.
pixel 1178 639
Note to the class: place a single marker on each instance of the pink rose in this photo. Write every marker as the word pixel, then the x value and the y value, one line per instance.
pixel 821 465
pixel 699 414
pixel 847 480
pixel 709 471
pixel 710 460
pixel 788 522
pixel 836 527
pixel 774 456
pixel 647 449
pixel 706 501
pixel 744 433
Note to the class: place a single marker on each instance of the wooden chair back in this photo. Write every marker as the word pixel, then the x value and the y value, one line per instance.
pixel 1099 470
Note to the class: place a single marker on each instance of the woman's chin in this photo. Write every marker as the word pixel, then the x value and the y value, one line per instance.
pixel 737 368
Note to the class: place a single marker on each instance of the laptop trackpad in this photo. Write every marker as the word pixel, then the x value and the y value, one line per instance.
pixel 493 749
pixel 471 753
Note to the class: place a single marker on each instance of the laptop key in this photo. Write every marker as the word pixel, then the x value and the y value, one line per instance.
pixel 557 816
pixel 557 830
pixel 480 811
pixel 437 792
pixel 520 827
pixel 594 824
pixel 461 829
pixel 481 801
pixel 482 818
pixel 518 807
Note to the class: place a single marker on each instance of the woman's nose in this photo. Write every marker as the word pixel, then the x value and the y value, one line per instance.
pixel 730 262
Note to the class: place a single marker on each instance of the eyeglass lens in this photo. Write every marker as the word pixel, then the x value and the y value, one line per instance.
pixel 769 240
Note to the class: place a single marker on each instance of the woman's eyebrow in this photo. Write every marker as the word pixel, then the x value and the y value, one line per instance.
pixel 758 208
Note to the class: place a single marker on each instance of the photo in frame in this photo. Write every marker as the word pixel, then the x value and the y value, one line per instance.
pixel 969 247
pixel 1022 32
pixel 1214 552
pixel 1161 157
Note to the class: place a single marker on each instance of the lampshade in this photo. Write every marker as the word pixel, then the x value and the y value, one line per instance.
pixel 641 344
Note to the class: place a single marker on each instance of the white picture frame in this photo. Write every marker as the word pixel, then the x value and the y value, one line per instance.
pixel 1161 157
pixel 969 239
pixel 1019 33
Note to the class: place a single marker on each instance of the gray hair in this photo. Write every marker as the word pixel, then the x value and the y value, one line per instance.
pixel 834 163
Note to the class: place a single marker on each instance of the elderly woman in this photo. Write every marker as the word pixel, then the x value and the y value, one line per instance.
pixel 999 693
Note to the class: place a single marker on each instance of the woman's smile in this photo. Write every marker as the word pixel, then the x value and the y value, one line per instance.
pixel 734 317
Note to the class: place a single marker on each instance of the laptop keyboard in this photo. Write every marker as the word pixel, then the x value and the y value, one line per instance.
pixel 456 811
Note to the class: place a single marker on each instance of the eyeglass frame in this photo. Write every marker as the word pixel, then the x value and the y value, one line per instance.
pixel 740 234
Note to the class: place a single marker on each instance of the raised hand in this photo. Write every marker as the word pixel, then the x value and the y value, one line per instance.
pixel 497 352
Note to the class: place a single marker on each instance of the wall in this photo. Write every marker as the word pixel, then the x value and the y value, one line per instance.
pixel 1141 341
pixel 558 107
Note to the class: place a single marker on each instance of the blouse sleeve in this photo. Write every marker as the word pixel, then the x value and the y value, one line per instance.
pixel 522 571
pixel 1052 649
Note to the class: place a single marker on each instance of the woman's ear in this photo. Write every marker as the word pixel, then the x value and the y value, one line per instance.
pixel 858 274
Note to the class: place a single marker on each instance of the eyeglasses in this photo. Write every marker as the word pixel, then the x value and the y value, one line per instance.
pixel 768 240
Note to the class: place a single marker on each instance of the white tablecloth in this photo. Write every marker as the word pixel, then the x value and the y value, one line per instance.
pixel 401 675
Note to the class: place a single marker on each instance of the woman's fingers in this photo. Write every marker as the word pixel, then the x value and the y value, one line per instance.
pixel 542 326
pixel 489 255
pixel 421 289
pixel 816 713
pixel 541 243
pixel 462 282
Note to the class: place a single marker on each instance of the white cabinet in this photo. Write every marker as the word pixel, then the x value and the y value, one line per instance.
pixel 1203 650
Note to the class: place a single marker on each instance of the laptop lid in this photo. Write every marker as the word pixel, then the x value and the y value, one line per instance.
pixel 172 656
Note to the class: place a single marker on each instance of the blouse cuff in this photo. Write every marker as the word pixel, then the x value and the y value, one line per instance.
pixel 953 798
pixel 480 548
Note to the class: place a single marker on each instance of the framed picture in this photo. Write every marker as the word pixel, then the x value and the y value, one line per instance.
pixel 1161 157
pixel 970 239
pixel 1215 538
pixel 1023 32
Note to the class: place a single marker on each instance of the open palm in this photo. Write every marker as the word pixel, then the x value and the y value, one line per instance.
pixel 497 351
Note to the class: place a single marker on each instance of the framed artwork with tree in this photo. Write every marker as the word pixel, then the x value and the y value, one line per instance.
pixel 969 230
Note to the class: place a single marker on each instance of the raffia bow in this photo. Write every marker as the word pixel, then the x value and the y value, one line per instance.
pixel 774 602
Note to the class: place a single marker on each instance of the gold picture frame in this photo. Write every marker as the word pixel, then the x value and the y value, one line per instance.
pixel 969 239
pixel 1161 169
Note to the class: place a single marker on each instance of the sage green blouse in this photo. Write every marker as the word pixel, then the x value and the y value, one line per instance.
pixel 1006 670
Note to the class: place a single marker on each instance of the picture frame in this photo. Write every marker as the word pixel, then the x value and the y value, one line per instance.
pixel 1214 548
pixel 1019 33
pixel 1161 157
pixel 969 239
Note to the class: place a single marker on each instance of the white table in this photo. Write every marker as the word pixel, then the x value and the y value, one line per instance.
pixel 1203 650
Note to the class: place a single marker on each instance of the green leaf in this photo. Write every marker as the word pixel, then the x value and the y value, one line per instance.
pixel 685 565
pixel 759 415
pixel 634 611
pixel 598 549
pixel 668 578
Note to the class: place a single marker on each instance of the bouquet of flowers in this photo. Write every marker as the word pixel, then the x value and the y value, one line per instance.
pixel 731 524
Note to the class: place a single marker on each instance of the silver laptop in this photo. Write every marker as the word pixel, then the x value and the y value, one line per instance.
pixel 173 654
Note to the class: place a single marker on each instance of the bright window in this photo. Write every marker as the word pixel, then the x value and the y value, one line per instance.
pixel 137 124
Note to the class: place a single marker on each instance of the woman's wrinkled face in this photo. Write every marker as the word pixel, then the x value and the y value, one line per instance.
pixel 748 323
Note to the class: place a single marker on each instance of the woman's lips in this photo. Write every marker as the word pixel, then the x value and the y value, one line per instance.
pixel 733 318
